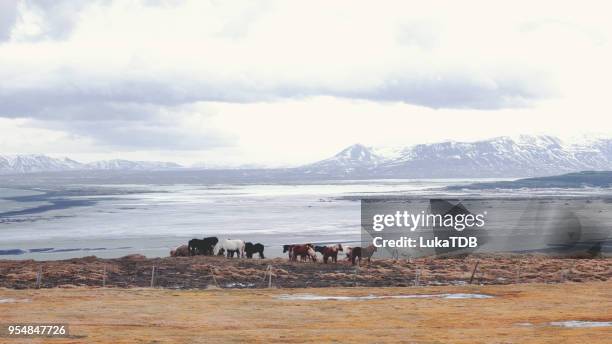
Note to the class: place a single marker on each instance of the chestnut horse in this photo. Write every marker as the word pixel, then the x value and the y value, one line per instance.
pixel 331 252
pixel 304 251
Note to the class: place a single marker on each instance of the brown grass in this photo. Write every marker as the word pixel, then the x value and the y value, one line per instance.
pixel 226 316
pixel 196 272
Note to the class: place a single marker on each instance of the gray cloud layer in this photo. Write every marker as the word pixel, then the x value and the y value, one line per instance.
pixel 124 110
pixel 8 18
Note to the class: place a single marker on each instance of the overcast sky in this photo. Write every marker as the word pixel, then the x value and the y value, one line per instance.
pixel 287 82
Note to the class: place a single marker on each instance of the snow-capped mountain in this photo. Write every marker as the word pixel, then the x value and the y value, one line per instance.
pixel 525 156
pixel 42 163
pixel 127 165
pixel 356 159
pixel 35 163
pixel 497 157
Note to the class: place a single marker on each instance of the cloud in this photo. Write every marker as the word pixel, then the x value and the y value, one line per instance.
pixel 184 51
pixel 150 135
pixel 8 18
pixel 90 68
pixel 458 91
pixel 37 20
pixel 130 126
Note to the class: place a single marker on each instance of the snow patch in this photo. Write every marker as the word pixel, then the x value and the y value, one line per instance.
pixel 313 297
pixel 581 324
pixel 11 300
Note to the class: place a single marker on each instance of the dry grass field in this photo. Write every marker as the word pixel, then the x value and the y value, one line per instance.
pixel 516 314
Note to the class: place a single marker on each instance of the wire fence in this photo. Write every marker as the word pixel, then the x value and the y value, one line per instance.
pixel 213 272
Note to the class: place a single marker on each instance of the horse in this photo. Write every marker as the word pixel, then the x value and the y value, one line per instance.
pixel 230 246
pixel 250 249
pixel 368 252
pixel 347 251
pixel 319 249
pixel 331 252
pixel 181 251
pixel 358 253
pixel 288 248
pixel 304 251
pixel 202 247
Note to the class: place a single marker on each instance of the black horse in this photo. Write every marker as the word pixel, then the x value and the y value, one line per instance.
pixel 288 248
pixel 202 247
pixel 250 249
pixel 320 249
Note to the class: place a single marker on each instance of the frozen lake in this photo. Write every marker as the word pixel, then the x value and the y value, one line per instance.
pixel 62 221
pixel 115 220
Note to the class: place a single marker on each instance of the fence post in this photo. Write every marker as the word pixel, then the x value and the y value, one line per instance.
pixel 269 276
pixel 104 276
pixel 153 276
pixel 417 276
pixel 474 271
pixel 39 277
pixel 563 275
pixel 212 273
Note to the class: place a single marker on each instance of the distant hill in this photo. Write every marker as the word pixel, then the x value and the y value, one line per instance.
pixel 354 160
pixel 36 163
pixel 569 180
pixel 119 165
pixel 525 156
pixel 29 163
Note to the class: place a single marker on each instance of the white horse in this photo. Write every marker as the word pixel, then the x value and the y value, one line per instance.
pixel 230 246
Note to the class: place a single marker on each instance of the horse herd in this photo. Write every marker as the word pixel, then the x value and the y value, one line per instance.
pixel 211 246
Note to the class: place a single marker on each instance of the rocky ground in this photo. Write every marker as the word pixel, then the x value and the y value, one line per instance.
pixel 204 272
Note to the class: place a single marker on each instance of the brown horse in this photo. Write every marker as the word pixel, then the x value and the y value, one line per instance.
pixel 181 251
pixel 331 252
pixel 357 253
pixel 304 251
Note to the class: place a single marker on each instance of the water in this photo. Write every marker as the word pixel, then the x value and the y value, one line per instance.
pixel 51 221
pixel 114 220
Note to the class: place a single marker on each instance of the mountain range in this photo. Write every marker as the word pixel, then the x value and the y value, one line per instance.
pixel 41 163
pixel 525 156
